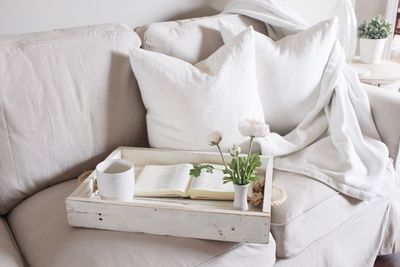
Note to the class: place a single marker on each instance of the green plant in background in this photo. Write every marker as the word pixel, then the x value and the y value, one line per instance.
pixel 242 170
pixel 377 28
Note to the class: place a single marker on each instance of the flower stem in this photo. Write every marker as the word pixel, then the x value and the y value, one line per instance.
pixel 222 156
pixel 238 170
pixel 249 153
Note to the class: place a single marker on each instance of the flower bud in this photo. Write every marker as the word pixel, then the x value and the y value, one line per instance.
pixel 214 138
pixel 235 151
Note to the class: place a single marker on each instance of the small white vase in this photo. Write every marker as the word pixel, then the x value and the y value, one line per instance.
pixel 240 200
pixel 371 50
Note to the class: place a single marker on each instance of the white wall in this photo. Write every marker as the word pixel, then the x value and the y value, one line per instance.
pixel 20 16
pixel 367 9
pixel 317 10
pixel 314 11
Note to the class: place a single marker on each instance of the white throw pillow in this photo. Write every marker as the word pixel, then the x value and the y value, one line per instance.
pixel 289 71
pixel 186 102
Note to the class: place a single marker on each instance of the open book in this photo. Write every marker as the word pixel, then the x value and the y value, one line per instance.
pixel 175 181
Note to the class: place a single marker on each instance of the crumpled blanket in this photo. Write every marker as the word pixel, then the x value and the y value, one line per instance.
pixel 337 143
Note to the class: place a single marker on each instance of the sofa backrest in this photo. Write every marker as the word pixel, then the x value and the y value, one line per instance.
pixel 67 99
pixel 191 40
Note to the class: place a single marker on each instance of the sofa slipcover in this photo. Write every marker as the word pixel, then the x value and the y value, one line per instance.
pixel 191 40
pixel 314 210
pixel 357 241
pixel 354 243
pixel 9 252
pixel 385 108
pixel 45 238
pixel 67 99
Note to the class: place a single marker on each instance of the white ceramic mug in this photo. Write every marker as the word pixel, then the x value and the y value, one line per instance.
pixel 116 179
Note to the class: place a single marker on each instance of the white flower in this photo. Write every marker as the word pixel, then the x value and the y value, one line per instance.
pixel 235 151
pixel 253 128
pixel 214 138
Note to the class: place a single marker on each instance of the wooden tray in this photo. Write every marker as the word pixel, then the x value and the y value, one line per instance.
pixel 215 220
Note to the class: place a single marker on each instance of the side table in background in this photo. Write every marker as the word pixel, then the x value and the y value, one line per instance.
pixel 385 74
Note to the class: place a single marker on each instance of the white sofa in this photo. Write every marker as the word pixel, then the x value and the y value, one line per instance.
pixel 68 98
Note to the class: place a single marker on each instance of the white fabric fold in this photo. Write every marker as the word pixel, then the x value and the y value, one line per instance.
pixel 397 166
pixel 337 142
pixel 348 28
pixel 280 18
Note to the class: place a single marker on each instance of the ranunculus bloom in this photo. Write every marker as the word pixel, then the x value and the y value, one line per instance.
pixel 214 138
pixel 253 128
pixel 235 151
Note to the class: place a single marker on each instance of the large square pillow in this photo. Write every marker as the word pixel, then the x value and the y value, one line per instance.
pixel 289 71
pixel 186 102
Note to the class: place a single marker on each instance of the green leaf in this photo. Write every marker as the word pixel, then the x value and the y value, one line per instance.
pixel 238 171
pixel 196 170
pixel 377 28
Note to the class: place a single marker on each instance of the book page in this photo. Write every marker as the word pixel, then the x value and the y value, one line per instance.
pixel 211 186
pixel 163 180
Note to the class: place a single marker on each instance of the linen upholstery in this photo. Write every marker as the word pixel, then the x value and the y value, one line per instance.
pixel 390 229
pixel 9 252
pixel 46 240
pixel 67 99
pixel 353 243
pixel 191 40
pixel 306 216
pixel 385 107
pixel 373 230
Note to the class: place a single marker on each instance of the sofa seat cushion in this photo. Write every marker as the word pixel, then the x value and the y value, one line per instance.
pixel 67 99
pixel 191 40
pixel 311 211
pixel 355 243
pixel 9 252
pixel 45 238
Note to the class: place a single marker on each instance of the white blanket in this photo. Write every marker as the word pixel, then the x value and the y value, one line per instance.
pixel 337 143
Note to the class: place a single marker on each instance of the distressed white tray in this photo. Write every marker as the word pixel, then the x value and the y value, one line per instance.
pixel 215 220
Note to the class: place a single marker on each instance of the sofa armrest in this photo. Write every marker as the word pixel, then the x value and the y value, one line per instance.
pixel 385 108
